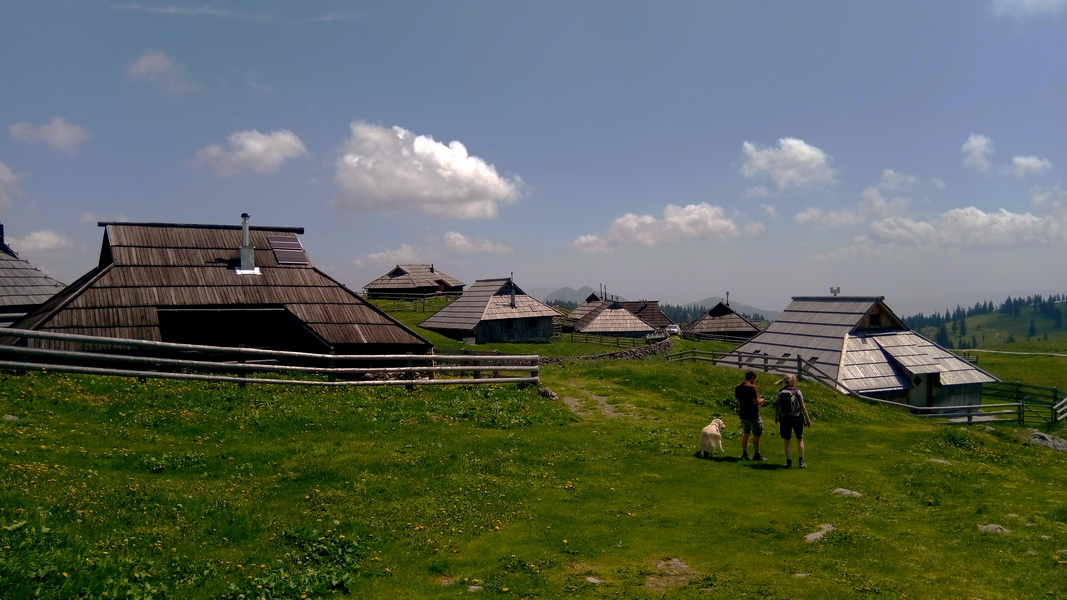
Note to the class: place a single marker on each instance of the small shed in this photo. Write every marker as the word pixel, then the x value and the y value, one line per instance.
pixel 413 280
pixel 218 285
pixel 611 318
pixel 721 321
pixel 23 287
pixel 494 310
pixel 863 346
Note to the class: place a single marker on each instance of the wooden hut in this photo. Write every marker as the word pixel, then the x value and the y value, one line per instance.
pixel 218 285
pixel 494 310
pixel 23 287
pixel 721 321
pixel 610 318
pixel 649 312
pixel 406 281
pixel 863 346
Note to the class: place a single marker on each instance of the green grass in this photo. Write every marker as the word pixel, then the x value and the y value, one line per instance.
pixel 188 490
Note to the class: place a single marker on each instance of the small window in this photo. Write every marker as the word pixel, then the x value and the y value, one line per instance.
pixel 531 323
pixel 876 320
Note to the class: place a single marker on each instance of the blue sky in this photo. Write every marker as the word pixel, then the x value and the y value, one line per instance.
pixel 666 150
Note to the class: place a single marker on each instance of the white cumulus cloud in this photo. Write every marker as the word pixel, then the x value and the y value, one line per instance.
pixel 976 152
pixel 41 240
pixel 873 205
pixel 678 223
pixel 467 245
pixel 59 133
pixel 161 69
pixel 382 168
pixel 252 151
pixel 1021 166
pixel 970 228
pixel 792 164
pixel 405 254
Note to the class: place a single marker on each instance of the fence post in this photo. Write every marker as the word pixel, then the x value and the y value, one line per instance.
pixel 411 375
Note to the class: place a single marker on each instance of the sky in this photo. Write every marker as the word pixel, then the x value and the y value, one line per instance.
pixel 669 151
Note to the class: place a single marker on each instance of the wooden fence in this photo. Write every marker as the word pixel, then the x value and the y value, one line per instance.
pixel 1025 404
pixel 149 359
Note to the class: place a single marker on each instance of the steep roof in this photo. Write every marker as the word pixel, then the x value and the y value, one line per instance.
pixel 145 268
pixel 648 311
pixel 22 286
pixel 488 300
pixel 860 342
pixel 611 317
pixel 722 320
pixel 413 277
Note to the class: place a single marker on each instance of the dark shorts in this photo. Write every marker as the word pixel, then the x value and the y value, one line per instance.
pixel 790 427
pixel 754 426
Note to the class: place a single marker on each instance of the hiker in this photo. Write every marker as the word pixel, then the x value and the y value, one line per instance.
pixel 791 415
pixel 748 403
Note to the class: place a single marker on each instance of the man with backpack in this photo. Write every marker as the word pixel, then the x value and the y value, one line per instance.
pixel 748 403
pixel 791 415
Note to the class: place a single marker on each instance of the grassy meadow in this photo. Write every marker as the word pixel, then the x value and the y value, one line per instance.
pixel 114 488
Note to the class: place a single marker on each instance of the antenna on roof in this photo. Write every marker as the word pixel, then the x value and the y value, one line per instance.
pixel 835 290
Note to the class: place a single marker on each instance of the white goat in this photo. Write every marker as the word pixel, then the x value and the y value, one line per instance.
pixel 711 438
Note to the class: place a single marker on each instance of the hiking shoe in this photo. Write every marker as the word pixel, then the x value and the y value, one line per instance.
pixel 758 457
pixel 788 463
pixel 802 465
pixel 745 456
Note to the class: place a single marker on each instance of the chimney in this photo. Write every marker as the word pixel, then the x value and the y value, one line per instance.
pixel 431 268
pixel 511 282
pixel 247 254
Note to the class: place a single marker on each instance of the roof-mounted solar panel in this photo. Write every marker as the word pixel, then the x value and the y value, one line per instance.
pixel 288 250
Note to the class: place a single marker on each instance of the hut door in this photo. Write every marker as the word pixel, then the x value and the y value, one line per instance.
pixel 921 394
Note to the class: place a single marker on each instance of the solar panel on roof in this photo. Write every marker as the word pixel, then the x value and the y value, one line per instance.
pixel 288 250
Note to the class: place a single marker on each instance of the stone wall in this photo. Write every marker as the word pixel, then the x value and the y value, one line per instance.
pixel 629 353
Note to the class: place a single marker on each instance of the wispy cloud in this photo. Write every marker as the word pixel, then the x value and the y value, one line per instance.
pixel 792 164
pixel 1028 8
pixel 59 133
pixel 873 203
pixel 252 151
pixel 467 245
pixel 678 223
pixel 9 185
pixel 40 240
pixel 976 152
pixel 405 254
pixel 382 168
pixel 184 11
pixel 157 67
pixel 1021 166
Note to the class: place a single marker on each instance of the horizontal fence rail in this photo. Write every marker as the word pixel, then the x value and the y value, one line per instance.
pixel 151 359
pixel 1018 402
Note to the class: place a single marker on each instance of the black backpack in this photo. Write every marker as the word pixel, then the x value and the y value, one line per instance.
pixel 788 403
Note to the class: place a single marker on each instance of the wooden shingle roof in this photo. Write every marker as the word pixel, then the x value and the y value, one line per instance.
pixel 488 300
pixel 413 277
pixel 22 286
pixel 149 267
pixel 722 320
pixel 860 342
pixel 648 311
pixel 611 318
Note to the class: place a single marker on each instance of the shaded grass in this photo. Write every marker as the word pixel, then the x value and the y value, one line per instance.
pixel 184 490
